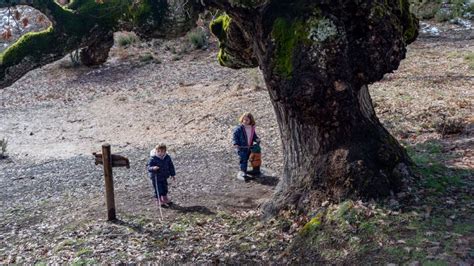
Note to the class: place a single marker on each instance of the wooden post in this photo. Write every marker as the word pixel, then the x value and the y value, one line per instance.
pixel 109 182
pixel 110 160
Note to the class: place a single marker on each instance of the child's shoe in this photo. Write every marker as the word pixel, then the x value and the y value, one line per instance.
pixel 166 200
pixel 255 172
pixel 241 175
pixel 162 202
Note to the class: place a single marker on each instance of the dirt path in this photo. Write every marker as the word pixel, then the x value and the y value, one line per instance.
pixel 51 183
pixel 195 120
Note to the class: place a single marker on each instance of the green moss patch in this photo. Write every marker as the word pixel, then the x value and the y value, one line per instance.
pixel 219 27
pixel 312 225
pixel 32 45
pixel 287 35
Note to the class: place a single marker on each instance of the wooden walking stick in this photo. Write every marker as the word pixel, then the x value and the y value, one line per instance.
pixel 158 199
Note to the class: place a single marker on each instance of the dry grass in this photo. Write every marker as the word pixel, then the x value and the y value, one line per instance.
pixel 430 96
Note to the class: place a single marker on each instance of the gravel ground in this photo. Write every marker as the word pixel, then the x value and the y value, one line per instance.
pixel 56 116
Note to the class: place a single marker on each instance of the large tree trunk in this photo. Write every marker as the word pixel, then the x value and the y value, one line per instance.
pixel 317 59
pixel 337 151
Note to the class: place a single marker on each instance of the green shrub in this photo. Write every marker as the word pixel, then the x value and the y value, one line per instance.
pixel 442 15
pixel 198 38
pixel 470 8
pixel 469 58
pixel 126 39
pixel 146 57
pixel 3 148
pixel 457 8
pixel 425 9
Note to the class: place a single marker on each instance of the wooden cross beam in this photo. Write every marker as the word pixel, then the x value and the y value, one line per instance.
pixel 117 160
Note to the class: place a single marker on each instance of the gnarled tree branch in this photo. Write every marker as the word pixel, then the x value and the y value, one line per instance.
pixel 235 46
pixel 10 3
pixel 89 24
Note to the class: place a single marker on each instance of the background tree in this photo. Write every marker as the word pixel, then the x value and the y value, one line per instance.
pixel 317 58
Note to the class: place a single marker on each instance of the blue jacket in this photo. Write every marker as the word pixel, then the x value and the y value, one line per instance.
pixel 166 167
pixel 240 136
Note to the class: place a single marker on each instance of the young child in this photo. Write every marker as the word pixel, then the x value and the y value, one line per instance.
pixel 160 168
pixel 244 137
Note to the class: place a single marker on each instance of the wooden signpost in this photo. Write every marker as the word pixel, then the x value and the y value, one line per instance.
pixel 110 160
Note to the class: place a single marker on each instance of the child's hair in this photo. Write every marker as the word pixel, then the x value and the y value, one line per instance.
pixel 161 146
pixel 250 116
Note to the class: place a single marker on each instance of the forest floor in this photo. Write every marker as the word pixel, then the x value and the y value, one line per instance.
pixel 52 201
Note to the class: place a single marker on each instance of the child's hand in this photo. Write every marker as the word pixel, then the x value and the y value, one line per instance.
pixel 174 179
pixel 155 168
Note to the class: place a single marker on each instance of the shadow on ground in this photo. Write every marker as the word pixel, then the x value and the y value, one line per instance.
pixel 265 180
pixel 189 209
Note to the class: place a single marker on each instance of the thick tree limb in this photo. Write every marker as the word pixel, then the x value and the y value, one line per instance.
pixel 48 7
pixel 10 3
pixel 89 24
pixel 235 47
pixel 68 32
pixel 34 50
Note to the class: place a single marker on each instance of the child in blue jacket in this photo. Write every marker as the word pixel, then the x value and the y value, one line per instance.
pixel 160 168
pixel 244 137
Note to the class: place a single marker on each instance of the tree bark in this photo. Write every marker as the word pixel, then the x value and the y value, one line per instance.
pixel 97 52
pixel 336 152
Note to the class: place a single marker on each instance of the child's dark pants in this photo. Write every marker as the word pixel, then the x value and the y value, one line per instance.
pixel 162 187
pixel 244 155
